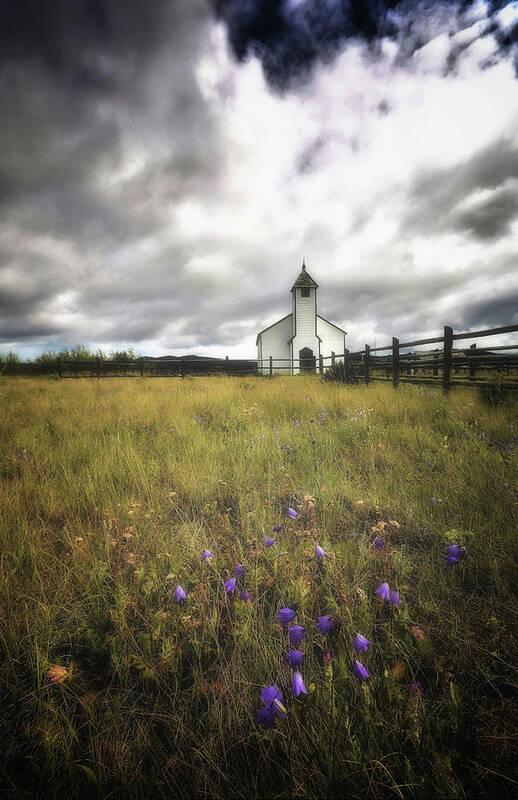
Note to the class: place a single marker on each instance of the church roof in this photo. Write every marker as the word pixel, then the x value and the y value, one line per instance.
pixel 304 279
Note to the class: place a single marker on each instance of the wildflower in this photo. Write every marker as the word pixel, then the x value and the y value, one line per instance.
pixel 416 687
pixel 433 501
pixel 360 643
pixel 230 585
pixel 455 553
pixel 290 512
pixel 430 464
pixel 383 591
pixel 320 552
pixel 244 596
pixel 311 420
pixel 207 555
pixel 272 698
pixel 277 528
pixel 269 541
pixel 360 671
pixel 506 485
pixel 297 423
pixel 379 544
pixel 285 615
pixel 179 595
pixel 239 570
pixel 324 624
pixel 297 684
pixel 295 658
pixel 296 634
pixel 394 599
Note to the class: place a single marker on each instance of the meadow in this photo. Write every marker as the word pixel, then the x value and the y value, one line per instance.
pixel 113 683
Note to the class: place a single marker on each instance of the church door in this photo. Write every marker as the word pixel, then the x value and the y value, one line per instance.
pixel 307 360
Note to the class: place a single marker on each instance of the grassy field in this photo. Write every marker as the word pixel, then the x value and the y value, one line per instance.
pixel 111 490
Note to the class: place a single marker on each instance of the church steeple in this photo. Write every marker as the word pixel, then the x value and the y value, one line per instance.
pixel 304 279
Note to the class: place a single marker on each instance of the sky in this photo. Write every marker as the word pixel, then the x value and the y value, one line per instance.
pixel 166 165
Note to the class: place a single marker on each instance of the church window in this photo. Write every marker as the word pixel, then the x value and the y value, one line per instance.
pixel 305 291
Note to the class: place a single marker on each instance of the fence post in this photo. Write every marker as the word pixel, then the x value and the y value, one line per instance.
pixel 332 358
pixel 346 355
pixel 141 367
pixel 446 358
pixel 271 365
pixel 395 362
pixel 321 364
pixel 58 364
pixel 472 366
pixel 367 363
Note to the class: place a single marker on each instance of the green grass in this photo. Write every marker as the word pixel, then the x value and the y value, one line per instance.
pixel 110 490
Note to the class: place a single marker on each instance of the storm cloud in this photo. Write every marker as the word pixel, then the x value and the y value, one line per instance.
pixel 292 37
pixel 164 167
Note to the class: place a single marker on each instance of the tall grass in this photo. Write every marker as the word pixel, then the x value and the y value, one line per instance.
pixel 111 489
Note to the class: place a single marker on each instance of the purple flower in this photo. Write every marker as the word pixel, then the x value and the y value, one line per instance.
pixel 394 599
pixel 416 687
pixel 455 550
pixel 296 634
pixel 432 500
pixel 239 570
pixel 285 615
pixel 244 596
pixel 297 423
pixel 272 698
pixel 230 585
pixel 455 554
pixel 379 544
pixel 320 552
pixel 360 643
pixel 383 591
pixel 295 658
pixel 506 485
pixel 324 624
pixel 311 420
pixel 179 595
pixel 269 541
pixel 277 528
pixel 290 512
pixel 297 684
pixel 360 671
pixel 207 555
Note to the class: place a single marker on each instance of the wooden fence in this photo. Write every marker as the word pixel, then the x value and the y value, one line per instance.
pixel 446 366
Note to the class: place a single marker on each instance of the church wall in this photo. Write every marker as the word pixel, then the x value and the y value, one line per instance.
pixel 332 339
pixel 274 342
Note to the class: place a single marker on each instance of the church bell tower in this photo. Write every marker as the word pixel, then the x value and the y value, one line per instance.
pixel 304 343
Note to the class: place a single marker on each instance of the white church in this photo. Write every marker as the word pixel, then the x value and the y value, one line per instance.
pixel 296 341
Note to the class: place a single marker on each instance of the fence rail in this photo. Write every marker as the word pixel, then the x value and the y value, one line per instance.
pixel 445 367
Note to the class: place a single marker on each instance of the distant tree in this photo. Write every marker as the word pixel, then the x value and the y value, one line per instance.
pixel 9 358
pixel 8 362
pixel 124 355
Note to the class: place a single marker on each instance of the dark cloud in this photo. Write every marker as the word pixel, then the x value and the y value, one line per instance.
pixel 436 198
pixel 491 218
pixel 292 38
pixel 490 312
